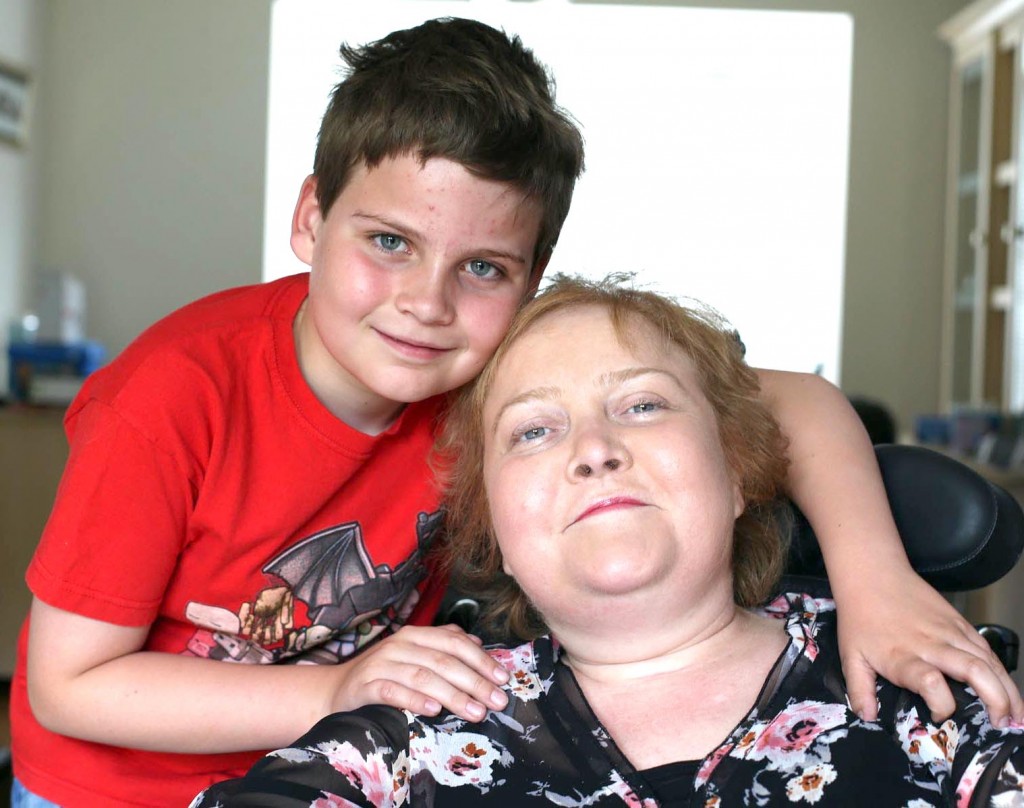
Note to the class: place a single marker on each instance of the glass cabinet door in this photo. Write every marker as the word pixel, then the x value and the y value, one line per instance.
pixel 969 256
pixel 1014 236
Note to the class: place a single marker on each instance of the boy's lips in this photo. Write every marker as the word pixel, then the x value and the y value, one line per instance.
pixel 608 504
pixel 412 349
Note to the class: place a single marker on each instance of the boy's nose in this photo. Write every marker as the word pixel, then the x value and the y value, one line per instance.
pixel 425 294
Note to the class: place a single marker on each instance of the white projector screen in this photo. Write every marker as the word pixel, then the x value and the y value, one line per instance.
pixel 717 148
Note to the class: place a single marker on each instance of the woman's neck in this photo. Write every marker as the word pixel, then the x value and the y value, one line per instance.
pixel 653 629
pixel 679 645
pixel 707 684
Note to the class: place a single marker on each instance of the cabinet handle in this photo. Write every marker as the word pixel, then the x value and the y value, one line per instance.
pixel 976 239
pixel 1010 233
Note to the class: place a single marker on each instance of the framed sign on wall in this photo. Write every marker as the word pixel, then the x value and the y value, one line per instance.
pixel 14 103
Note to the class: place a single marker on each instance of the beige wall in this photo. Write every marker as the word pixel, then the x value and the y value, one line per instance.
pixel 20 32
pixel 151 177
pixel 893 290
pixel 152 182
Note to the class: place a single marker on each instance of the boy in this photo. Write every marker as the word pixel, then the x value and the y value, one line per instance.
pixel 248 481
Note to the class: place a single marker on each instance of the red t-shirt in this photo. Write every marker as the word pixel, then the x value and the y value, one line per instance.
pixel 209 493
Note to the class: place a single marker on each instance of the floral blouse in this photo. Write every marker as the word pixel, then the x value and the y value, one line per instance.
pixel 800 743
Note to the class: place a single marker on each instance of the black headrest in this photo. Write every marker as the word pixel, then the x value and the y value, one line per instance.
pixel 960 531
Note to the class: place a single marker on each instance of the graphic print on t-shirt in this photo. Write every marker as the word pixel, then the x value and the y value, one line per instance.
pixel 348 599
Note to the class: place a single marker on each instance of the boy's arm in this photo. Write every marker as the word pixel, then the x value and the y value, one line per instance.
pixel 89 679
pixel 891 622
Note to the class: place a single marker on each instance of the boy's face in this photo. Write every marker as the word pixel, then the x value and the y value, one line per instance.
pixel 416 272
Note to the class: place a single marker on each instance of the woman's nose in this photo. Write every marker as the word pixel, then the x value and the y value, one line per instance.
pixel 586 470
pixel 598 452
pixel 425 294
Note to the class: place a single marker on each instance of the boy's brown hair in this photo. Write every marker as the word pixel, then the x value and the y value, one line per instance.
pixel 460 90
pixel 754 446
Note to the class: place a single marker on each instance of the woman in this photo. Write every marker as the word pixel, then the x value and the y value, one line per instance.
pixel 613 478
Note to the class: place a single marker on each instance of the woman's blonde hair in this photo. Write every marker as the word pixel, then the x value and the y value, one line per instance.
pixel 754 447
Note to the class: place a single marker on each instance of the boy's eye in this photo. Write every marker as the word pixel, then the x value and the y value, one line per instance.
pixel 389 242
pixel 479 268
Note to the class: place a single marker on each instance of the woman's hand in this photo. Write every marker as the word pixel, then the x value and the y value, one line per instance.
pixel 424 669
pixel 904 630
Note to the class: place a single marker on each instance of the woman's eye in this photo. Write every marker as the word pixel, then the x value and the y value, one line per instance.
pixel 643 407
pixel 479 268
pixel 389 242
pixel 533 433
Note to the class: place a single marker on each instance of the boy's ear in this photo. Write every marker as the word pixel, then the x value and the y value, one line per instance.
pixel 537 273
pixel 306 221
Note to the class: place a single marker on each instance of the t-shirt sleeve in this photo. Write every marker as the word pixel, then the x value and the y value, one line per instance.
pixel 118 523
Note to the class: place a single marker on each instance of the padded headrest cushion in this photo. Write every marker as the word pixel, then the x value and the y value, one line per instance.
pixel 960 531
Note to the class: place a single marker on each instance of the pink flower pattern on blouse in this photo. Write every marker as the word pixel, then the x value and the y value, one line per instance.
pixel 798 744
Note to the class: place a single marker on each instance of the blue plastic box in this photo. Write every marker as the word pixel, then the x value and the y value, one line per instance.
pixel 28 359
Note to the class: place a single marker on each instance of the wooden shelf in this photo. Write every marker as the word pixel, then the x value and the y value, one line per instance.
pixel 33 451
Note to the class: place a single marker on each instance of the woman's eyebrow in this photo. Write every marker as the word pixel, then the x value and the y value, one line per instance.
pixel 614 377
pixel 536 394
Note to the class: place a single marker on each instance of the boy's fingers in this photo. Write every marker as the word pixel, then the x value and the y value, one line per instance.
pixel 423 669
pixel 971 660
pixel 421 688
pixel 454 629
pixel 395 694
pixel 452 641
pixel 459 678
pixel 1006 686
pixel 1016 701
pixel 928 682
pixel 860 689
pixel 989 679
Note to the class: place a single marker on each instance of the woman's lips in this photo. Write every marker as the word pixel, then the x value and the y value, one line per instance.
pixel 606 505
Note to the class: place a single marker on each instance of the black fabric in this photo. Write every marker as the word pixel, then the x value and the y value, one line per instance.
pixel 672 783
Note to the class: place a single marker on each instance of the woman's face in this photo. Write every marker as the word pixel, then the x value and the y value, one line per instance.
pixel 605 475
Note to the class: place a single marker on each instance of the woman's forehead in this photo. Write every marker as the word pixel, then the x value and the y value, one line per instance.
pixel 575 325
pixel 569 337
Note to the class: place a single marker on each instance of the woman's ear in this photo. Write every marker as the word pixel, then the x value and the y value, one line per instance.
pixel 739 503
pixel 306 221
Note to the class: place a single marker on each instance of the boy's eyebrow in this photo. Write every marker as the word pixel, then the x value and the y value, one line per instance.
pixel 387 224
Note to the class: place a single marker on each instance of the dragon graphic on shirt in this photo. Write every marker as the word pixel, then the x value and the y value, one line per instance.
pixel 349 600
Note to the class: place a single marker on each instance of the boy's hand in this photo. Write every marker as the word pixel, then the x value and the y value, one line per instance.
pixel 424 669
pixel 914 638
